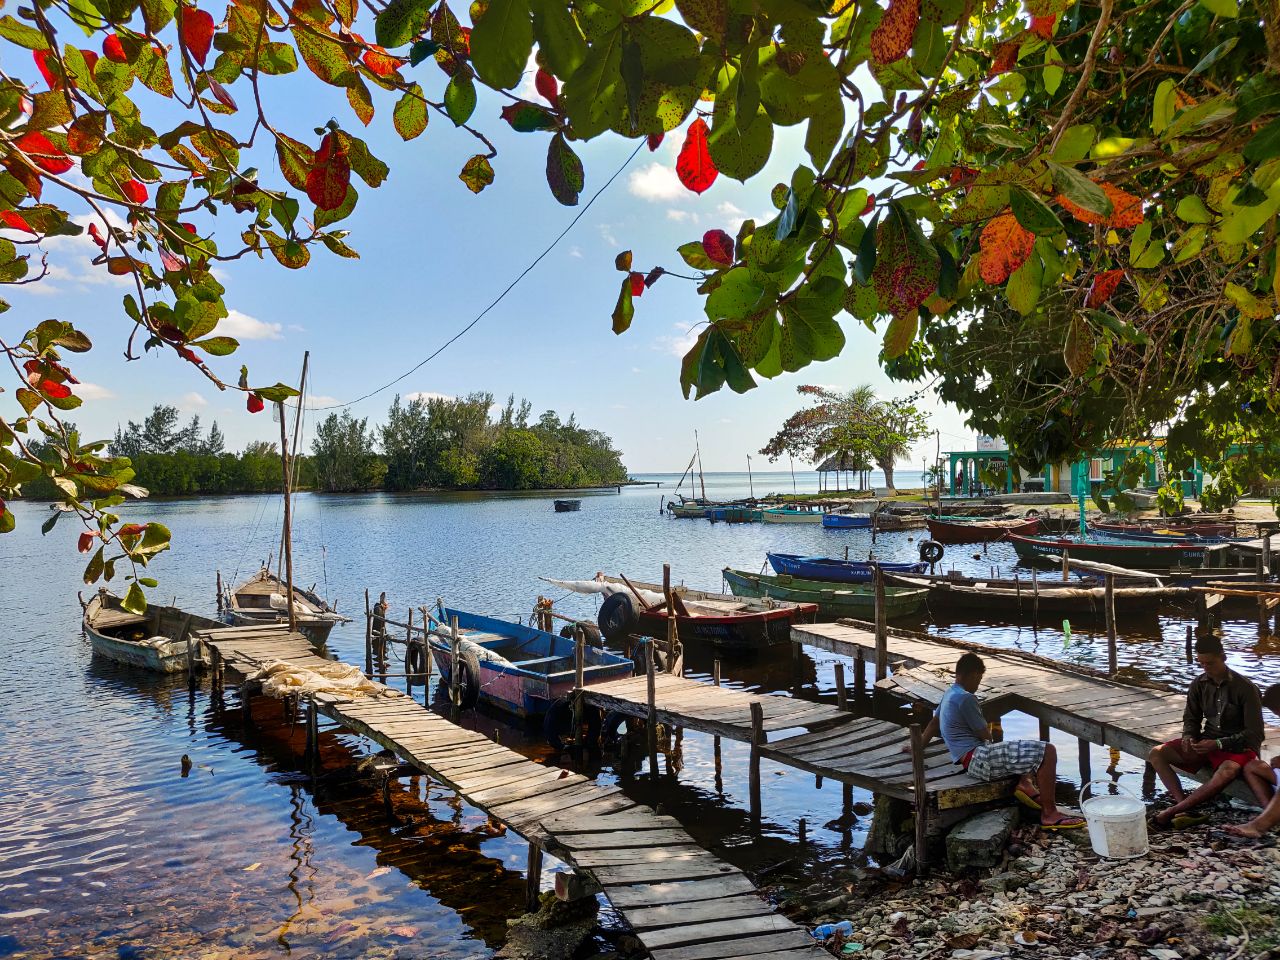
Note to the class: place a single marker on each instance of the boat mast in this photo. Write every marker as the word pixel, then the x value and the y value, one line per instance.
pixel 293 450
pixel 286 533
pixel 750 483
pixel 701 479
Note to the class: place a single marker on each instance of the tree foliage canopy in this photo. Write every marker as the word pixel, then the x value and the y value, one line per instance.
pixel 1064 213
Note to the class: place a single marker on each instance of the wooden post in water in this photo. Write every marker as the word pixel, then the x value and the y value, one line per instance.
pixel 842 696
pixel 675 665
pixel 715 672
pixel 219 573
pixel 1266 553
pixel 859 682
pixel 533 878
pixel 757 740
pixel 455 670
pixel 1035 600
pixel 651 718
pixel 426 657
pixel 1066 565
pixel 1082 748
pixel 1191 643
pixel 579 666
pixel 921 801
pixel 313 738
pixel 368 636
pixel 882 626
pixel 1113 662
pixel 408 646
pixel 1044 730
pixel 719 768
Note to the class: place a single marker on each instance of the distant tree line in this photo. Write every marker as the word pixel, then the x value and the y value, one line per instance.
pixel 456 444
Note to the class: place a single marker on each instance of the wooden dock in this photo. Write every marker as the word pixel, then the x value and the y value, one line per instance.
pixel 683 902
pixel 1093 708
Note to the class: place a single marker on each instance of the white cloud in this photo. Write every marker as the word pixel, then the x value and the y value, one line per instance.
pixel 606 234
pixel 296 328
pixel 656 182
pixel 321 400
pixel 91 391
pixel 680 216
pixel 192 401
pixel 636 370
pixel 575 252
pixel 244 327
pixel 681 342
pixel 427 395
pixel 727 209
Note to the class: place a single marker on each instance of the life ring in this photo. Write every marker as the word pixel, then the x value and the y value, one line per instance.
pixel 930 551
pixel 617 617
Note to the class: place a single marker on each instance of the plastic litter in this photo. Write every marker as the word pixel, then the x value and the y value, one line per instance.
pixel 828 930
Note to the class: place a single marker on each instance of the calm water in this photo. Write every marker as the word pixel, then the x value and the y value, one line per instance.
pixel 106 850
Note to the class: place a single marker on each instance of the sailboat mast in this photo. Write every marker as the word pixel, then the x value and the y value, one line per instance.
pixel 286 466
pixel 750 483
pixel 701 479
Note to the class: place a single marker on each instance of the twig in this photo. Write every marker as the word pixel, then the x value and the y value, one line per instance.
pixel 1090 64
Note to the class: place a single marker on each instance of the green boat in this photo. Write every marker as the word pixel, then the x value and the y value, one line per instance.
pixel 834 600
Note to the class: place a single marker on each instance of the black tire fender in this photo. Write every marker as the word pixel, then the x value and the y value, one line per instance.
pixel 617 617
pixel 931 551
pixel 415 658
pixel 557 722
pixel 468 679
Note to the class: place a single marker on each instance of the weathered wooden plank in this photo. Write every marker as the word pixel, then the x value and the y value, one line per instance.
pixel 621 839
pixel 642 818
pixel 687 891
pixel 698 911
pixel 737 946
pixel 724 931
pixel 693 868
pixel 688 851
pixel 521 791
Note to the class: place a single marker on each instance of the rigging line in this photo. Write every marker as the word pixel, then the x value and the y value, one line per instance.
pixel 511 286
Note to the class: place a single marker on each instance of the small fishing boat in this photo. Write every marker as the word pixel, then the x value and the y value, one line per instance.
pixel 833 570
pixel 155 640
pixel 689 510
pixel 1169 528
pixel 793 514
pixel 1132 555
pixel 733 514
pixel 516 668
pixel 846 521
pixel 955 530
pixel 263 598
pixel 567 506
pixel 833 601
pixel 1025 597
pixel 736 624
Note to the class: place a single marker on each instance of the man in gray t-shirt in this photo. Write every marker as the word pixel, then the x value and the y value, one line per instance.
pixel 964 729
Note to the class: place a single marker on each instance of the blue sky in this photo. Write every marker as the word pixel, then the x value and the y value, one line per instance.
pixel 433 254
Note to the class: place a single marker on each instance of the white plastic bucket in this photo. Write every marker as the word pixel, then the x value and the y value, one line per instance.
pixel 1117 822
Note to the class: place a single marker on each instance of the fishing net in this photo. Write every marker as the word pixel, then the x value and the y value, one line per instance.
pixel 282 679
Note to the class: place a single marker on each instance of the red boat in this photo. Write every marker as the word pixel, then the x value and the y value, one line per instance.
pixel 979 531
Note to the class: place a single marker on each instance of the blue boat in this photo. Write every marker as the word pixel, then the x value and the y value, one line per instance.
pixel 837 571
pixel 516 668
pixel 846 521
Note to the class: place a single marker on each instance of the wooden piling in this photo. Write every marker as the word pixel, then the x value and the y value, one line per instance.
pixel 882 625
pixel 579 665
pixel 1082 747
pixel 368 635
pixel 1035 600
pixel 408 646
pixel 919 796
pixel 312 756
pixel 757 740
pixel 802 837
pixel 715 672
pixel 1066 566
pixel 1113 663
pixel 1044 730
pixel 859 681
pixel 533 879
pixel 719 767
pixel 842 697
pixel 219 598
pixel 1191 643
pixel 455 671
pixel 1266 553
pixel 651 717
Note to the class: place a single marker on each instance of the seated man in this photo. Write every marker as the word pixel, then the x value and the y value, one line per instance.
pixel 1221 730
pixel 1269 818
pixel 964 730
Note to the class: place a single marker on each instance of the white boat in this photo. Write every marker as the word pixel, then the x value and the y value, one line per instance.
pixel 155 640
pixel 263 598
pixel 793 515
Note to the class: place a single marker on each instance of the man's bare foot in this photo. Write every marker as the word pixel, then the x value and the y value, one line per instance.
pixel 1246 830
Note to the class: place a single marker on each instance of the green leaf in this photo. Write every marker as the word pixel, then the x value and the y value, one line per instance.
pixel 1080 190
pixel 460 98
pixel 1259 95
pixel 1163 105
pixel 564 171
pixel 736 297
pixel 410 113
pixel 1033 213
pixel 501 42
pixel 1078 349
pixel 739 151
pixel 276 394
pixel 1221 8
pixel 900 334
pixel 558 36
pixel 695 255
pixel 1264 144
pixel 1214 55
pixel 624 310
pixel 1052 73
pixel 49 524
pixel 811 328
pixel 24 36
pixel 134 600
pixel 594 98
pixel 218 346
pixel 1191 209
pixel 1023 289
pixel 477 173
pixel 401 21
pixel 632 80
pixel 865 263
pixel 1190 243
pixel 93 570
pixel 711 363
pixel 1074 144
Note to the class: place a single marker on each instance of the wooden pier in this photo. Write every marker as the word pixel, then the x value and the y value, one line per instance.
pixel 683 902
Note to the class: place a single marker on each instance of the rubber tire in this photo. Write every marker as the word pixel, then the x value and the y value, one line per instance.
pixel 613 720
pixel 556 722
pixel 931 551
pixel 617 617
pixel 594 639
pixel 415 658
pixel 469 680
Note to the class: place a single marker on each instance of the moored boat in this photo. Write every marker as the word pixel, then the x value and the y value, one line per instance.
pixel 1134 556
pixel 263 598
pixel 846 521
pixel 956 530
pixel 567 506
pixel 793 514
pixel 155 640
pixel 733 514
pixel 834 601
pixel 833 570
pixel 1168 528
pixel 1027 597
pixel 516 668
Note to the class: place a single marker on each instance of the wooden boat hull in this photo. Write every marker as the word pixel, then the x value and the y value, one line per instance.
pixel 978 531
pixel 1166 530
pixel 1027 599
pixel 847 521
pixel 733 515
pixel 261 600
pixel 833 602
pixel 834 571
pixel 742 632
pixel 317 631
pixel 778 515
pixel 527 687
pixel 1135 556
pixel 126 638
pixel 567 506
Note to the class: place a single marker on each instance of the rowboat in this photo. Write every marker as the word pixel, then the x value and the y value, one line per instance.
pixel 735 624
pixel 793 515
pixel 516 668
pixel 263 598
pixel 1134 556
pixel 567 506
pixel 978 531
pixel 1166 529
pixel 846 521
pixel 833 601
pixel 1026 598
pixel 833 570
pixel 156 640
pixel 733 514
pixel 688 511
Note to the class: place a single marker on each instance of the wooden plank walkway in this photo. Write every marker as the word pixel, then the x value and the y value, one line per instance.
pixel 683 902
pixel 1092 708
pixel 871 754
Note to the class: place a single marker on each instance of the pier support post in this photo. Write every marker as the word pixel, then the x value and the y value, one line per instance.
pixel 368 636
pixel 455 691
pixel 1113 662
pixel 1035 600
pixel 882 626
pixel 651 718
pixel 408 646
pixel 859 682
pixel 217 678
pixel 1191 644
pixel 1266 553
pixel 918 790
pixel 757 740
pixel 842 696
pixel 312 754
pixel 533 879
pixel 1044 730
pixel 715 672
pixel 719 767
pixel 579 661
pixel 1086 768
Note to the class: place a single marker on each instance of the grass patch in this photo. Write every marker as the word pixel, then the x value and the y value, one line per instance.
pixel 1263 924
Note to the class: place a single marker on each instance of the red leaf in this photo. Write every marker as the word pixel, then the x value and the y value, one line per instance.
pixel 188 356
pixel 694 166
pixel 1006 59
pixel 134 191
pixel 220 93
pixel 380 62
pixel 189 227
pixel 1126 209
pixel 43 153
pixel 34 369
pixel 548 86
pixel 196 30
pixel 329 179
pixel 170 262
pixel 90 58
pixel 55 390
pixel 96 235
pixel 718 246
pixel 637 284
pixel 1006 245
pixel 47 63
pixel 655 140
pixel 871 205
pixel 86 542
pixel 15 221
pixel 132 530
pixel 1043 26
pixel 113 49
pixel 891 40
pixel 1103 286
pixel 254 403
pixel 654 275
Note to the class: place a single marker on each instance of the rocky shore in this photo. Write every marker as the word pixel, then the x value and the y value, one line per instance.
pixel 1197 894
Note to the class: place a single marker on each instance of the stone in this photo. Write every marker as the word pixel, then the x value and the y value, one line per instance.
pixel 574 886
pixel 980 841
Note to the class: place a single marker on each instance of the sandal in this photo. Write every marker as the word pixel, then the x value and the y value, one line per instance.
pixel 1027 800
pixel 1068 822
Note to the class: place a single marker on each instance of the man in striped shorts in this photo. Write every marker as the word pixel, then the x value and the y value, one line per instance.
pixel 964 729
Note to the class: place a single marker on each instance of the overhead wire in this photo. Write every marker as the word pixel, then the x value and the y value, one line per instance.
pixel 501 296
